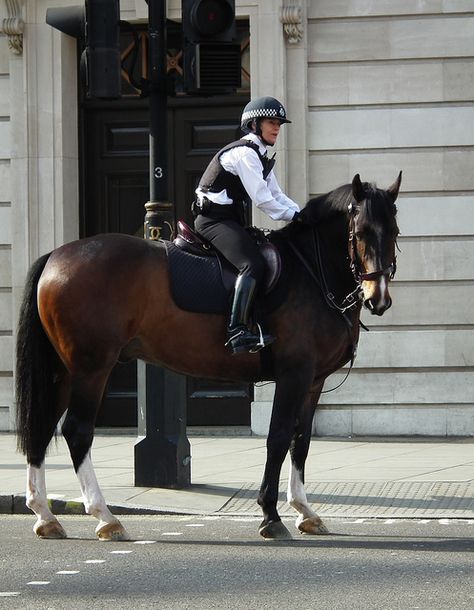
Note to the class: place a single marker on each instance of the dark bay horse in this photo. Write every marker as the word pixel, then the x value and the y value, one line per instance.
pixel 95 301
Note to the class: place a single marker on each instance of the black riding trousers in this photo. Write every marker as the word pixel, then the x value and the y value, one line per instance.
pixel 233 241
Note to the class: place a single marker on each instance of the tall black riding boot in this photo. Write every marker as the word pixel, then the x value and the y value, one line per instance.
pixel 239 337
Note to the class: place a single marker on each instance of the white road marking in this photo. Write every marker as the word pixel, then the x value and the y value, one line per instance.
pixel 120 552
pixel 145 542
pixel 172 534
pixel 39 582
pixel 9 593
pixel 68 572
pixel 94 561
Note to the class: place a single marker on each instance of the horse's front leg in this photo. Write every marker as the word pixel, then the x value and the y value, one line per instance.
pixel 289 397
pixel 308 521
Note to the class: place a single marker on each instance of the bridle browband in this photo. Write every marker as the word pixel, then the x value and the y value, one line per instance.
pixel 359 275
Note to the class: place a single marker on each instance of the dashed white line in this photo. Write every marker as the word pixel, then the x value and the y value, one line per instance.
pixel 9 593
pixel 68 572
pixel 39 583
pixel 172 534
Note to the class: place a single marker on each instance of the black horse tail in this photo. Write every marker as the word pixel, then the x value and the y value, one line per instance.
pixel 36 364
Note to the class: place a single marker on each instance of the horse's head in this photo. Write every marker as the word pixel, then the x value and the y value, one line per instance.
pixel 373 234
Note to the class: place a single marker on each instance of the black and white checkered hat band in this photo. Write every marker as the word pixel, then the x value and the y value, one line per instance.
pixel 267 113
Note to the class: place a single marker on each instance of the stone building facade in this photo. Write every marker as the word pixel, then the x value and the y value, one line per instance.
pixel 372 88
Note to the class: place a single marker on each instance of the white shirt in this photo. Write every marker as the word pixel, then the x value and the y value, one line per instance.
pixel 266 194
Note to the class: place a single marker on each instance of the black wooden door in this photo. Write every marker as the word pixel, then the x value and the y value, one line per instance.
pixel 199 130
pixel 114 189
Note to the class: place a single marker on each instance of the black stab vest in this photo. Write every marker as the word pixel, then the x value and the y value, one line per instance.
pixel 216 178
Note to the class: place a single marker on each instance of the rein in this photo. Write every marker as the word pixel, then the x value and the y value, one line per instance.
pixel 348 302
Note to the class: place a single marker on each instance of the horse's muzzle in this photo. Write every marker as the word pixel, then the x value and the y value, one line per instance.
pixel 379 308
pixel 376 296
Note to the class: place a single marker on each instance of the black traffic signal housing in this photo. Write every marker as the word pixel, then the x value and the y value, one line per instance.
pixel 97 24
pixel 211 52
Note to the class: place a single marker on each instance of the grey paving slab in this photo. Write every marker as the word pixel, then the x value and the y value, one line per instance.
pixel 373 499
pixel 345 477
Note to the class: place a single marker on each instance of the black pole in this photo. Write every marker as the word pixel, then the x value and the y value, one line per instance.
pixel 162 450
pixel 159 217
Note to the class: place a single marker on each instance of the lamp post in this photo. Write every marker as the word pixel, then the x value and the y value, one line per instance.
pixel 162 450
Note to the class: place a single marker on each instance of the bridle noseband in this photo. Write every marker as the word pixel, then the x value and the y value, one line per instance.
pixel 355 265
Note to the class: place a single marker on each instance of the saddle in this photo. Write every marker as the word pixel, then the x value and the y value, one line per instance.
pixel 202 280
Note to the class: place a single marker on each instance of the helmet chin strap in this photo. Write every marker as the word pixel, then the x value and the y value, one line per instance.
pixel 258 132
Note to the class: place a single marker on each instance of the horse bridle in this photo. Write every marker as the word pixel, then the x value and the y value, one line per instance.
pixel 354 297
pixel 355 265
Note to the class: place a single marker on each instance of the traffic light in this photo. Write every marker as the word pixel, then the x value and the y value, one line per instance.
pixel 211 53
pixel 98 25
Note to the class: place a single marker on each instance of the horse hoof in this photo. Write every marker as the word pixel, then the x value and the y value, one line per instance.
pixel 274 530
pixel 112 531
pixel 313 526
pixel 52 530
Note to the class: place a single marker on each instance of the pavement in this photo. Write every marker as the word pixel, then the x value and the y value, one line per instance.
pixel 366 478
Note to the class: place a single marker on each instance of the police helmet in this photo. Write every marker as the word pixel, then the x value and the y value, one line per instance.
pixel 262 108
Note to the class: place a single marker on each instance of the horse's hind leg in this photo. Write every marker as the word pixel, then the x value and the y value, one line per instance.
pixel 78 430
pixel 308 521
pixel 47 525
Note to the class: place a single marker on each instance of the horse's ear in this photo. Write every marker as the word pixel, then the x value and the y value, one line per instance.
pixel 358 189
pixel 393 190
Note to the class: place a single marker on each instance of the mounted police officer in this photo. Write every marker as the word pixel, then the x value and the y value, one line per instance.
pixel 240 174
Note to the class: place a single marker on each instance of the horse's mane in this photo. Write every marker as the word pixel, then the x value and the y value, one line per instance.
pixel 330 203
pixel 319 208
pixel 376 208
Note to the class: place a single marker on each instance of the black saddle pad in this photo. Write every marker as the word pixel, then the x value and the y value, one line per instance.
pixel 196 282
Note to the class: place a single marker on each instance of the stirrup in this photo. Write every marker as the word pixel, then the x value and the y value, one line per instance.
pixel 244 340
pixel 261 341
